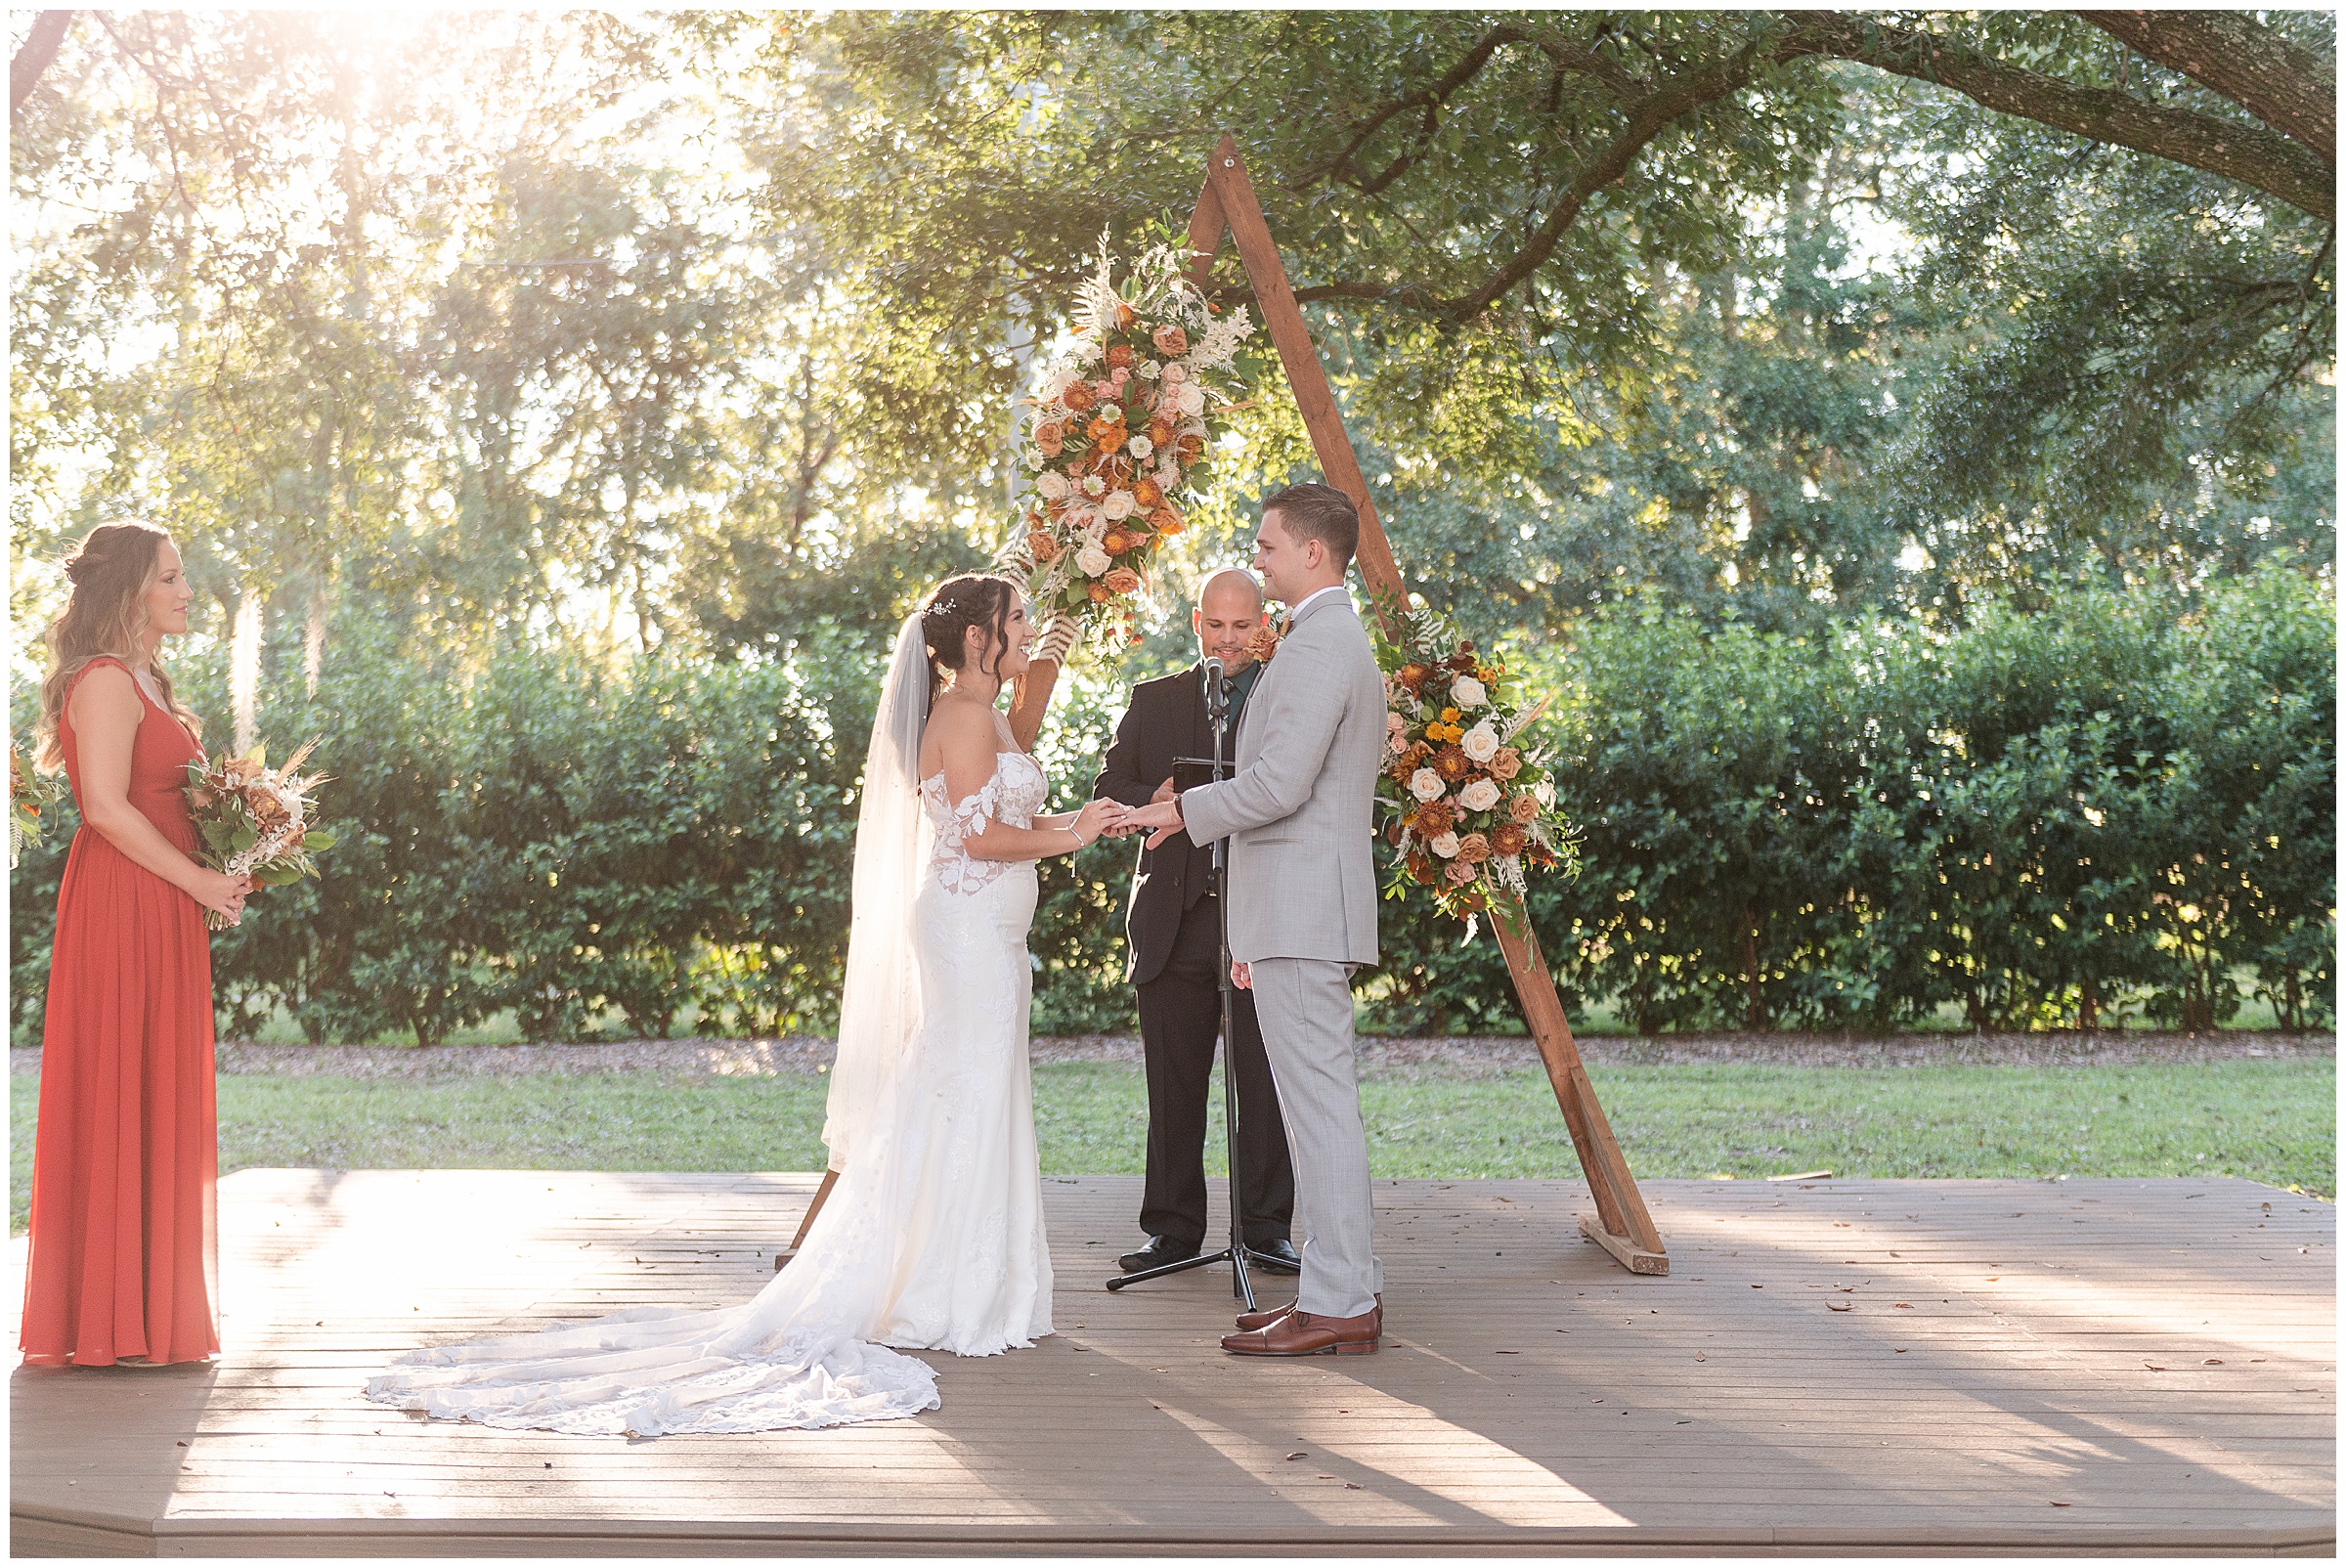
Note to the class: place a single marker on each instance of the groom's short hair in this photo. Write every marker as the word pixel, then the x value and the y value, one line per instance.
pixel 1322 512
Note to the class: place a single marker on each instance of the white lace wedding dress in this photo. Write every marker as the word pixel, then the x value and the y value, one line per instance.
pixel 931 1239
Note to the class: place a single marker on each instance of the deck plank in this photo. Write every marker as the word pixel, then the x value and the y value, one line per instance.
pixel 2008 1346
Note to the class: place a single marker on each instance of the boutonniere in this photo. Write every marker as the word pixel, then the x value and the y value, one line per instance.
pixel 1265 643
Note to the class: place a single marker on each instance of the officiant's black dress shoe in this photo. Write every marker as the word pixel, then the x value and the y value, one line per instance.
pixel 1161 1251
pixel 1277 1256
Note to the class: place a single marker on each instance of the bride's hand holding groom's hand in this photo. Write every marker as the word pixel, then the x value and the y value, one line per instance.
pixel 1162 816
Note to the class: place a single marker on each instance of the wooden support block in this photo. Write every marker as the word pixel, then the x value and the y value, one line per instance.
pixel 830 1178
pixel 1628 1254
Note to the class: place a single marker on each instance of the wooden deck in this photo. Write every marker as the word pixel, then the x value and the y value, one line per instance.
pixel 1836 1367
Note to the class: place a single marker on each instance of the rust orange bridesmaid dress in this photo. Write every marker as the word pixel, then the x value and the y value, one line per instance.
pixel 126 1155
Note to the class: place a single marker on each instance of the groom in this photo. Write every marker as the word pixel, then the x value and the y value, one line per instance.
pixel 1303 905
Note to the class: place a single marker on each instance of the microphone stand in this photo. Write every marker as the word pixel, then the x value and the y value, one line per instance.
pixel 1217 711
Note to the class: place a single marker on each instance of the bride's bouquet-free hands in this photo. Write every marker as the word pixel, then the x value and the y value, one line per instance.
pixel 254 819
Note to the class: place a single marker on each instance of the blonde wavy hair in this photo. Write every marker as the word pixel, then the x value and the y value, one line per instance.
pixel 112 571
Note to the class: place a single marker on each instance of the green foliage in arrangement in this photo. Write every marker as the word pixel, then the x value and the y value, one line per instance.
pixel 2047 820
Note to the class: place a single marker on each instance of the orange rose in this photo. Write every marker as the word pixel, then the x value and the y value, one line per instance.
pixel 1042 547
pixel 1145 494
pixel 1120 357
pixel 1506 765
pixel 1474 848
pixel 1050 439
pixel 1523 808
pixel 1122 580
pixel 1166 520
pixel 1104 431
pixel 1099 594
pixel 1079 397
pixel 1171 341
pixel 1508 839
pixel 1192 446
pixel 1453 764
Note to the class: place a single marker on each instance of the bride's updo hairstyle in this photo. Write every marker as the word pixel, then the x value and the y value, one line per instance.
pixel 112 571
pixel 975 599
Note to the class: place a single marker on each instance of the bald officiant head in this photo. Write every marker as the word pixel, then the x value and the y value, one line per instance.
pixel 1229 613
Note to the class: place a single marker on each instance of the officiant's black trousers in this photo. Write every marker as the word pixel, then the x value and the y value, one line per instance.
pixel 1181 1016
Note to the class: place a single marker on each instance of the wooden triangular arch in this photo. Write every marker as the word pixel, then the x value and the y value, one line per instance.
pixel 1228 206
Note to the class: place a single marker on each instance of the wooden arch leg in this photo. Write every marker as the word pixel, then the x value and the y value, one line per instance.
pixel 1620 1224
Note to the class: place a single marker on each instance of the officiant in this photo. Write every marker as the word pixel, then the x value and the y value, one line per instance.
pixel 1173 931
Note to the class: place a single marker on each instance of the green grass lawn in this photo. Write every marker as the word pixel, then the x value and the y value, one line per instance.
pixel 2270 1122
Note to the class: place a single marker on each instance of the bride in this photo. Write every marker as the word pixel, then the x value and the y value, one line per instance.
pixel 932 1238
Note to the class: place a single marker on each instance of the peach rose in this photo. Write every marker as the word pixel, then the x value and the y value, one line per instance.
pixel 1120 357
pixel 1123 580
pixel 1522 808
pixel 1050 439
pixel 1506 765
pixel 1459 873
pixel 1475 848
pixel 1508 839
pixel 1079 397
pixel 1166 520
pixel 1042 547
pixel 1171 341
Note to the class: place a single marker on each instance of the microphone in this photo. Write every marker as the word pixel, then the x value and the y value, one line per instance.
pixel 1217 693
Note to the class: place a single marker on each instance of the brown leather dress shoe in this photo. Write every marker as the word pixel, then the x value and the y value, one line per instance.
pixel 1271 1315
pixel 1307 1333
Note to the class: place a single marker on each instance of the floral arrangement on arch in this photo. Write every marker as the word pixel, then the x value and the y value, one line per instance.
pixel 1466 808
pixel 1121 425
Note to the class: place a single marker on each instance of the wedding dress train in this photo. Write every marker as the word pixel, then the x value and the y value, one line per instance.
pixel 931 1239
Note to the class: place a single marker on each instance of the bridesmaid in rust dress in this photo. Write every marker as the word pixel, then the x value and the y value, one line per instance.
pixel 126 1154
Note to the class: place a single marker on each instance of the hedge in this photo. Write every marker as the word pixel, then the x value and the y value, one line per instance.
pixel 2113 802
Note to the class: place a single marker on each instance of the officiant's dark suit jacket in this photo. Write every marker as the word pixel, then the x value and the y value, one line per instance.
pixel 1165 719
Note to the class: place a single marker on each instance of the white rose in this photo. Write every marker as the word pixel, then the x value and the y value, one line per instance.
pixel 1140 447
pixel 1426 784
pixel 1479 743
pixel 1094 485
pixel 1190 400
pixel 1092 560
pixel 1176 374
pixel 1545 793
pixel 1446 845
pixel 1150 370
pixel 1482 794
pixel 1468 692
pixel 1117 506
pixel 1052 487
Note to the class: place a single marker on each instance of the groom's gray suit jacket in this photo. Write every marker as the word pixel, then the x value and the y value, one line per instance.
pixel 1300 810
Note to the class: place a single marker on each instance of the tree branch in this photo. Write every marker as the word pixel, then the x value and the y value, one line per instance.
pixel 40 48
pixel 2253 155
pixel 2233 53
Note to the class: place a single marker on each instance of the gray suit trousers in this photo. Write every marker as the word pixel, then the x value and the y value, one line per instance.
pixel 1305 1005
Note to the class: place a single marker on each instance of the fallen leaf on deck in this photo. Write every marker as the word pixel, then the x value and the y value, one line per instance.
pixel 2211 1362
pixel 1841 1306
pixel 1908 1305
pixel 1299 1454
pixel 2060 1505
pixel 2153 1366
